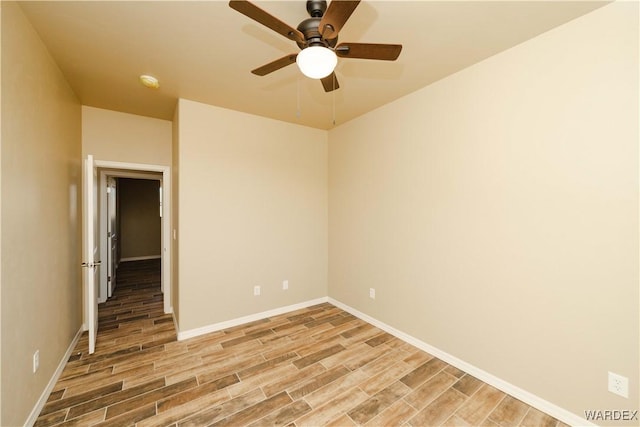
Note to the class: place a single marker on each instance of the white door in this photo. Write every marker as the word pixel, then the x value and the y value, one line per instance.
pixel 112 236
pixel 90 264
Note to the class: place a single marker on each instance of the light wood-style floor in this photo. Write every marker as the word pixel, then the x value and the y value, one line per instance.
pixel 312 367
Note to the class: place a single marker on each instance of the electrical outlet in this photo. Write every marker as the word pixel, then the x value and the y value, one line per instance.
pixel 36 361
pixel 285 285
pixel 256 290
pixel 372 293
pixel 618 385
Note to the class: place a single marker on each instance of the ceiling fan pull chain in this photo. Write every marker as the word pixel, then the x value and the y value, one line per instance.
pixel 298 97
pixel 333 92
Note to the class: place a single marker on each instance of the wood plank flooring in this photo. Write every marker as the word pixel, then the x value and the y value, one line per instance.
pixel 318 366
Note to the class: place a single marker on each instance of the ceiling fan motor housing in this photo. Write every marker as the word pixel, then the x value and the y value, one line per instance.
pixel 312 37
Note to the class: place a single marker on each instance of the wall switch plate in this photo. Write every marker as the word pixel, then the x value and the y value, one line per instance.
pixel 372 293
pixel 36 361
pixel 618 385
pixel 285 285
pixel 256 290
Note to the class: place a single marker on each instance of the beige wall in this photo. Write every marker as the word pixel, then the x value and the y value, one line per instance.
pixel 253 211
pixel 41 186
pixel 496 212
pixel 140 222
pixel 0 215
pixel 122 137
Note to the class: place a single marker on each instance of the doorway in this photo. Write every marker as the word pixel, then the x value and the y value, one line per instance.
pixel 112 177
pixel 133 224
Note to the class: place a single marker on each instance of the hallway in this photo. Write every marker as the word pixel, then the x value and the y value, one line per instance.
pixel 136 306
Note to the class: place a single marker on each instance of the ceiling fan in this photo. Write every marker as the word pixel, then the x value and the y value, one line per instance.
pixel 317 37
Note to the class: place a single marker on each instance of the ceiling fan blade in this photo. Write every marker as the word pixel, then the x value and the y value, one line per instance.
pixel 335 16
pixel 385 52
pixel 330 83
pixel 275 65
pixel 269 21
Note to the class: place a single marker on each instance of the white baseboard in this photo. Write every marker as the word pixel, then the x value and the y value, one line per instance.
pixel 140 258
pixel 523 395
pixel 183 335
pixel 33 416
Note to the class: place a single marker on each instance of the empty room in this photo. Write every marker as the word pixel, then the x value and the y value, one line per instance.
pixel 375 213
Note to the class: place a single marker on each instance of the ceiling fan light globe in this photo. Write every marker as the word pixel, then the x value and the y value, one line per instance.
pixel 317 62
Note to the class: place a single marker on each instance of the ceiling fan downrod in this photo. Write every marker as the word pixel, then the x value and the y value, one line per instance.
pixel 316 8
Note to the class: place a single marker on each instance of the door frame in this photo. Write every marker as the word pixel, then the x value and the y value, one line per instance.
pixel 105 205
pixel 142 171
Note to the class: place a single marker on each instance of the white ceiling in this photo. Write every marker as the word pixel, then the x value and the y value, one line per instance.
pixel 204 51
